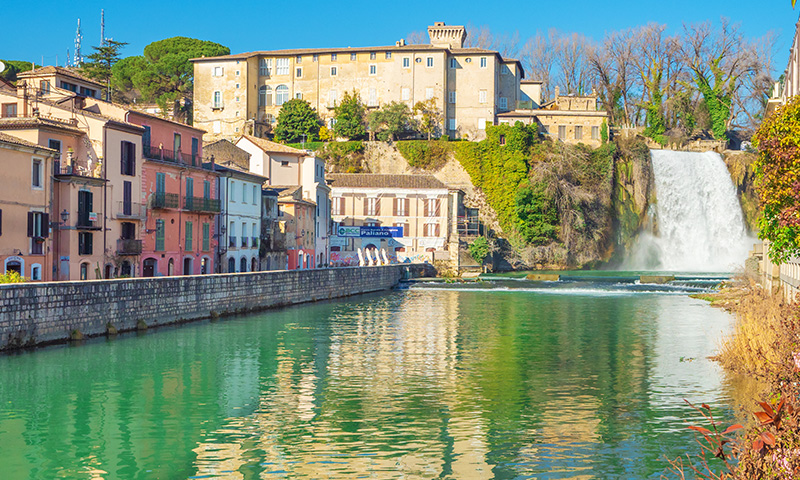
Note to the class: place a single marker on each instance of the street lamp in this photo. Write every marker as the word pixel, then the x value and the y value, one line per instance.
pixel 64 216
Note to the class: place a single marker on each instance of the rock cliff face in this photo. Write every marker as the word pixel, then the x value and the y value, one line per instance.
pixel 633 194
pixel 740 165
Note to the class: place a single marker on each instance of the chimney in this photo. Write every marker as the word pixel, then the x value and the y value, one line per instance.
pixel 22 92
pixel 452 36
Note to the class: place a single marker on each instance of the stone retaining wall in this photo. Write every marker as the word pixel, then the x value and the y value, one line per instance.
pixel 40 313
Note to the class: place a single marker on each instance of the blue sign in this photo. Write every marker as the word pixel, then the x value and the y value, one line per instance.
pixel 381 232
pixel 370 232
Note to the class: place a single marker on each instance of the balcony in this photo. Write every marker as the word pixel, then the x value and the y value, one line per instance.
pixel 254 242
pixel 85 223
pixel 156 153
pixel 244 241
pixel 74 170
pixel 232 242
pixel 164 200
pixel 131 210
pixel 129 246
pixel 201 204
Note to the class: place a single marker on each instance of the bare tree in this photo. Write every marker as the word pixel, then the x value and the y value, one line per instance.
pixel 571 57
pixel 611 73
pixel 417 37
pixel 538 57
pixel 483 37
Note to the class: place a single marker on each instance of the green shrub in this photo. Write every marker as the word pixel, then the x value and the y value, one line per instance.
pixel 479 249
pixel 425 154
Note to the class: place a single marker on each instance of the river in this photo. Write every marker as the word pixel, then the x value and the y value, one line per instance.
pixel 503 379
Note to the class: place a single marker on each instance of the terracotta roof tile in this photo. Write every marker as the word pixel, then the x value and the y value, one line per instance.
pixel 37 122
pixel 5 138
pixel 375 180
pixel 61 71
pixel 269 146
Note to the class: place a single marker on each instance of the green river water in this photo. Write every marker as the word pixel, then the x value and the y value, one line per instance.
pixel 504 379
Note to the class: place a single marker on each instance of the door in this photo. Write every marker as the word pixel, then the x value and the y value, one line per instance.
pixel 149 267
pixel 187 266
pixel 195 150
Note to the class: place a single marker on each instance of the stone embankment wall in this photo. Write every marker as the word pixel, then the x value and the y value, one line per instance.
pixel 40 313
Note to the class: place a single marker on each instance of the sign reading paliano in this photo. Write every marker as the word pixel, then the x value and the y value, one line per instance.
pixel 383 232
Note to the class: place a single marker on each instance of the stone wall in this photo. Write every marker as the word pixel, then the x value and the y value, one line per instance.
pixel 40 313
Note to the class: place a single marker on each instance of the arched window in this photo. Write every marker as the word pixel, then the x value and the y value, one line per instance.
pixel 264 96
pixel 281 95
pixel 84 271
pixel 171 267
pixel 243 265
pixel 253 265
pixel 231 265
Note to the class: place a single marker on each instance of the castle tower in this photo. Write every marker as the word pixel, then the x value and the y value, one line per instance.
pixel 452 36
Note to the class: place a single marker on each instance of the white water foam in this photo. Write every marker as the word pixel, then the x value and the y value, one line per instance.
pixel 700 223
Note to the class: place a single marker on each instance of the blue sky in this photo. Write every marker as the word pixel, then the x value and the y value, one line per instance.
pixel 245 26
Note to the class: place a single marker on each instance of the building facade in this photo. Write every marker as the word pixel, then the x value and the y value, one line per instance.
pixel 296 221
pixel 423 206
pixel 243 93
pixel 25 208
pixel 240 195
pixel 273 234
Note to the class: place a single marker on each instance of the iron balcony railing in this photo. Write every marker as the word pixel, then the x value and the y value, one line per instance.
pixel 232 242
pixel 163 154
pixel 84 223
pixel 164 200
pixel 201 204
pixel 244 241
pixel 129 246
pixel 254 241
pixel 131 210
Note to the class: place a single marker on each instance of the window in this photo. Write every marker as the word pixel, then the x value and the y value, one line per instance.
pixel 85 241
pixel 36 272
pixel 254 232
pixel 188 246
pixel 36 174
pixel 237 86
pixel 482 96
pixel 372 207
pixel 503 102
pixel 578 132
pixel 298 72
pixel 128 158
pixel 406 62
pixel 373 97
pixel 237 74
pixel 9 110
pixel 265 96
pixel 451 123
pixel 388 55
pixel 232 193
pixel 84 271
pixel 405 94
pixel 314 57
pixel 281 95
pixel 431 207
pixel 451 97
pixel 298 95
pixel 429 63
pixel 481 124
pixel 562 132
pixel 453 63
pixel 217 102
pixel 244 193
pixel 595 133
pixel 44 87
pixel 244 234
pixel 372 55
pixel 483 62
pixel 337 206
pixel 85 201
pixel 334 71
pixel 218 71
pixel 176 142
pixel 431 230
pixel 332 99
pixel 353 57
pixel 373 69
pixel 401 207
pixel 127 231
pixel 38 225
pixel 298 59
pixel 255 195
pixel 54 144
pixel 206 237
pixel 265 67
pixel 282 66
pixel 333 57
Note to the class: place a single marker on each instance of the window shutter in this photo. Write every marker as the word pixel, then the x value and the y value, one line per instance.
pixel 89 237
pixel 377 207
pixel 132 158
pixel 437 230
pixel 1 222
pixel 81 241
pixel 30 224
pixel 45 225
pixel 123 159
pixel 426 205
pixel 394 206
pixel 366 206
pixel 437 207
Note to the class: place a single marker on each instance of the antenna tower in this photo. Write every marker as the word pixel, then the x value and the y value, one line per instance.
pixel 102 27
pixel 78 37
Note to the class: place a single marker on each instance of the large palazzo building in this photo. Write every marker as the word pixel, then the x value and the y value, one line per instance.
pixel 243 93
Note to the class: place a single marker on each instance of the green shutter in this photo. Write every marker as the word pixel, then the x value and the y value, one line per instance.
pixel 160 183
pixel 206 237
pixel 159 235
pixel 188 236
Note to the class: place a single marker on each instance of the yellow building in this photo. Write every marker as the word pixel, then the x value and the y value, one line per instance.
pixel 25 199
pixel 243 93
pixel 570 119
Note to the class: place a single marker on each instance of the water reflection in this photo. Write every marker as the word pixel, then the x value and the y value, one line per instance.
pixel 415 384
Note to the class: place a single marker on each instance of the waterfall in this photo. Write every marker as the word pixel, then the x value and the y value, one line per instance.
pixel 699 226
